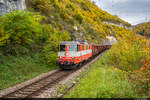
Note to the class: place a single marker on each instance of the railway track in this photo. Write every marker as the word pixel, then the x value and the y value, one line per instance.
pixel 35 89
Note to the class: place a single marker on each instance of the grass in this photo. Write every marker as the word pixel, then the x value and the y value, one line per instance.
pixel 15 70
pixel 102 82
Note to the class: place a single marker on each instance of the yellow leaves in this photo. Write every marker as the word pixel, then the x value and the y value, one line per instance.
pixel 129 54
pixel 146 51
pixel 37 17
pixel 142 29
pixel 4 39
pixel 132 55
pixel 81 12
pixel 120 33
pixel 115 69
pixel 144 67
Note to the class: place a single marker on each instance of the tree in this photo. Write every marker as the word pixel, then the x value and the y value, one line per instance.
pixel 19 28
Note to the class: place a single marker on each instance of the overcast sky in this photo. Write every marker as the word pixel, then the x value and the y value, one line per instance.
pixel 132 11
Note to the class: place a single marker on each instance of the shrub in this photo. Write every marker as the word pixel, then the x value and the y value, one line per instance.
pixel 19 28
pixel 78 17
pixel 125 56
pixel 132 55
pixel 128 55
pixel 49 52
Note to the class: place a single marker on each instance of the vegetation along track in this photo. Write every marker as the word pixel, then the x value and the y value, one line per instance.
pixel 38 87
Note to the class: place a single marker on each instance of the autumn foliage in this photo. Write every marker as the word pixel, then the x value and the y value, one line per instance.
pixel 83 14
pixel 132 56
pixel 143 29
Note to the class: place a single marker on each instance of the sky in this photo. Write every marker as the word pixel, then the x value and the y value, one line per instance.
pixel 132 11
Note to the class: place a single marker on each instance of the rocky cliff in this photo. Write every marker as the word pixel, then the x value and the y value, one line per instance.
pixel 9 5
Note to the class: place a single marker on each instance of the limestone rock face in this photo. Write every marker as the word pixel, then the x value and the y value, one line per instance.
pixel 10 5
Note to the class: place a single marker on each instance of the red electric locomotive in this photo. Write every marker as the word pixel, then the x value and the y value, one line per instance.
pixel 72 53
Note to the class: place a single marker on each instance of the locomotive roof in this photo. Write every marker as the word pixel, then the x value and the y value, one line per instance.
pixel 72 42
pixel 69 42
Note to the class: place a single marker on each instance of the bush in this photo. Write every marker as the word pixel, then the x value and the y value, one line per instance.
pixel 132 55
pixel 49 52
pixel 19 28
pixel 128 55
pixel 78 17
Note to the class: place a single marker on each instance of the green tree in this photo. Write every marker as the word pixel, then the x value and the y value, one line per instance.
pixel 19 28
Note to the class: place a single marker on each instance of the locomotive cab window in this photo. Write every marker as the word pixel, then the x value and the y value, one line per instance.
pixel 72 48
pixel 62 48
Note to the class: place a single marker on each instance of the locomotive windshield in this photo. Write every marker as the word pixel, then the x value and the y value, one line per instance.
pixel 62 48
pixel 70 48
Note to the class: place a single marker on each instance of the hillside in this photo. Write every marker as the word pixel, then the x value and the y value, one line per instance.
pixel 143 29
pixel 80 18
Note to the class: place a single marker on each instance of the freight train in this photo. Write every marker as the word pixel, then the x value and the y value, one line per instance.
pixel 74 53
